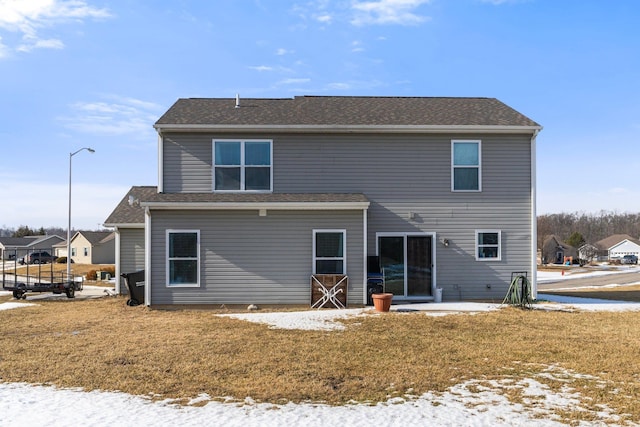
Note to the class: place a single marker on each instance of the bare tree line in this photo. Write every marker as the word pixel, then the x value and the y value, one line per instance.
pixel 592 227
pixel 25 230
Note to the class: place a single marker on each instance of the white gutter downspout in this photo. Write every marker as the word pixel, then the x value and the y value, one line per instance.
pixel 364 255
pixel 534 220
pixel 118 261
pixel 147 257
pixel 160 162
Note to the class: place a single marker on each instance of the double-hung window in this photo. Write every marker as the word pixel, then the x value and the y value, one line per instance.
pixel 488 245
pixel 242 165
pixel 329 251
pixel 183 258
pixel 466 169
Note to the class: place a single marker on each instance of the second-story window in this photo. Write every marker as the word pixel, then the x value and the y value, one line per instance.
pixel 242 165
pixel 466 169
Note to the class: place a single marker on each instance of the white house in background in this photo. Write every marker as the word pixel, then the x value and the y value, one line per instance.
pixel 617 246
pixel 91 247
pixel 626 247
pixel 588 252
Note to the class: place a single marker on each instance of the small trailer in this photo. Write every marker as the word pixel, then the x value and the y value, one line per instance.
pixel 37 278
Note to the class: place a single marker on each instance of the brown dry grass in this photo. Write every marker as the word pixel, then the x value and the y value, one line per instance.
pixel 103 344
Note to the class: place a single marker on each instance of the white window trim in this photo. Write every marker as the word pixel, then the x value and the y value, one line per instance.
pixel 344 249
pixel 242 165
pixel 478 246
pixel 167 269
pixel 479 166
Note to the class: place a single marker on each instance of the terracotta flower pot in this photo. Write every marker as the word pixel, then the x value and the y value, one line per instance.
pixel 382 302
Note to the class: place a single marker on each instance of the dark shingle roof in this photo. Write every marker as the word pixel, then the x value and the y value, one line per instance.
pixel 343 111
pixel 96 237
pixel 124 213
pixel 257 198
pixel 15 241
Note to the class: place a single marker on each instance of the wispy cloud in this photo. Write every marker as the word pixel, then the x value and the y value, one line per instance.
pixel 113 116
pixel 283 51
pixel 4 50
pixel 387 12
pixel 324 18
pixel 30 17
pixel 356 46
pixel 339 86
pixel 269 68
pixel 293 81
pixel 261 68
pixel 618 190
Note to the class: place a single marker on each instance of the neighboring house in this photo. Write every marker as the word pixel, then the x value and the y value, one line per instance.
pixel 18 247
pixel 93 247
pixel 588 253
pixel 617 246
pixel 555 251
pixel 255 196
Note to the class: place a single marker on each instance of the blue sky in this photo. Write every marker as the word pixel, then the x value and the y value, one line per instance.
pixel 99 73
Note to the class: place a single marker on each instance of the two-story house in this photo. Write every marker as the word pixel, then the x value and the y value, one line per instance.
pixel 256 195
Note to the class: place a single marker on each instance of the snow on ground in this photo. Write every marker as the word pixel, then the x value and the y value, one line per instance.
pixel 330 319
pixel 473 403
pixel 11 304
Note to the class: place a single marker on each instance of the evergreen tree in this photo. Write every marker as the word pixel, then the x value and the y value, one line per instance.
pixel 576 240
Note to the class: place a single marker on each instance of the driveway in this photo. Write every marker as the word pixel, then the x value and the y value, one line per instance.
pixel 87 292
pixel 588 279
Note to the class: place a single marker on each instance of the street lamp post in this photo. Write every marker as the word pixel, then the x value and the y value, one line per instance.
pixel 91 150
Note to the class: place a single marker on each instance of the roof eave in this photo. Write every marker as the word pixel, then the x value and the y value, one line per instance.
pixel 123 225
pixel 533 129
pixel 256 205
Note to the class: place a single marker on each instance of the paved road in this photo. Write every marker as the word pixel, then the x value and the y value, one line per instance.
pixel 608 279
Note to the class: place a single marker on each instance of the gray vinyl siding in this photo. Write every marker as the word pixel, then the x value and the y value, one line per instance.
pixel 131 252
pixel 413 174
pixel 401 174
pixel 104 253
pixel 187 163
pixel 248 259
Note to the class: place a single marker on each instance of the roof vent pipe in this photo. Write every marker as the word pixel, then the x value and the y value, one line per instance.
pixel 237 100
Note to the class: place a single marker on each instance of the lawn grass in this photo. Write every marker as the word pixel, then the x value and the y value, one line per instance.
pixel 103 344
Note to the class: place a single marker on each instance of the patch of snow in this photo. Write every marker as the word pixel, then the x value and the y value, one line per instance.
pixel 305 320
pixel 472 403
pixel 588 304
pixel 12 305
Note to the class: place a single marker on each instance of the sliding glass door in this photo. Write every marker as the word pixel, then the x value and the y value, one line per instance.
pixel 407 261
